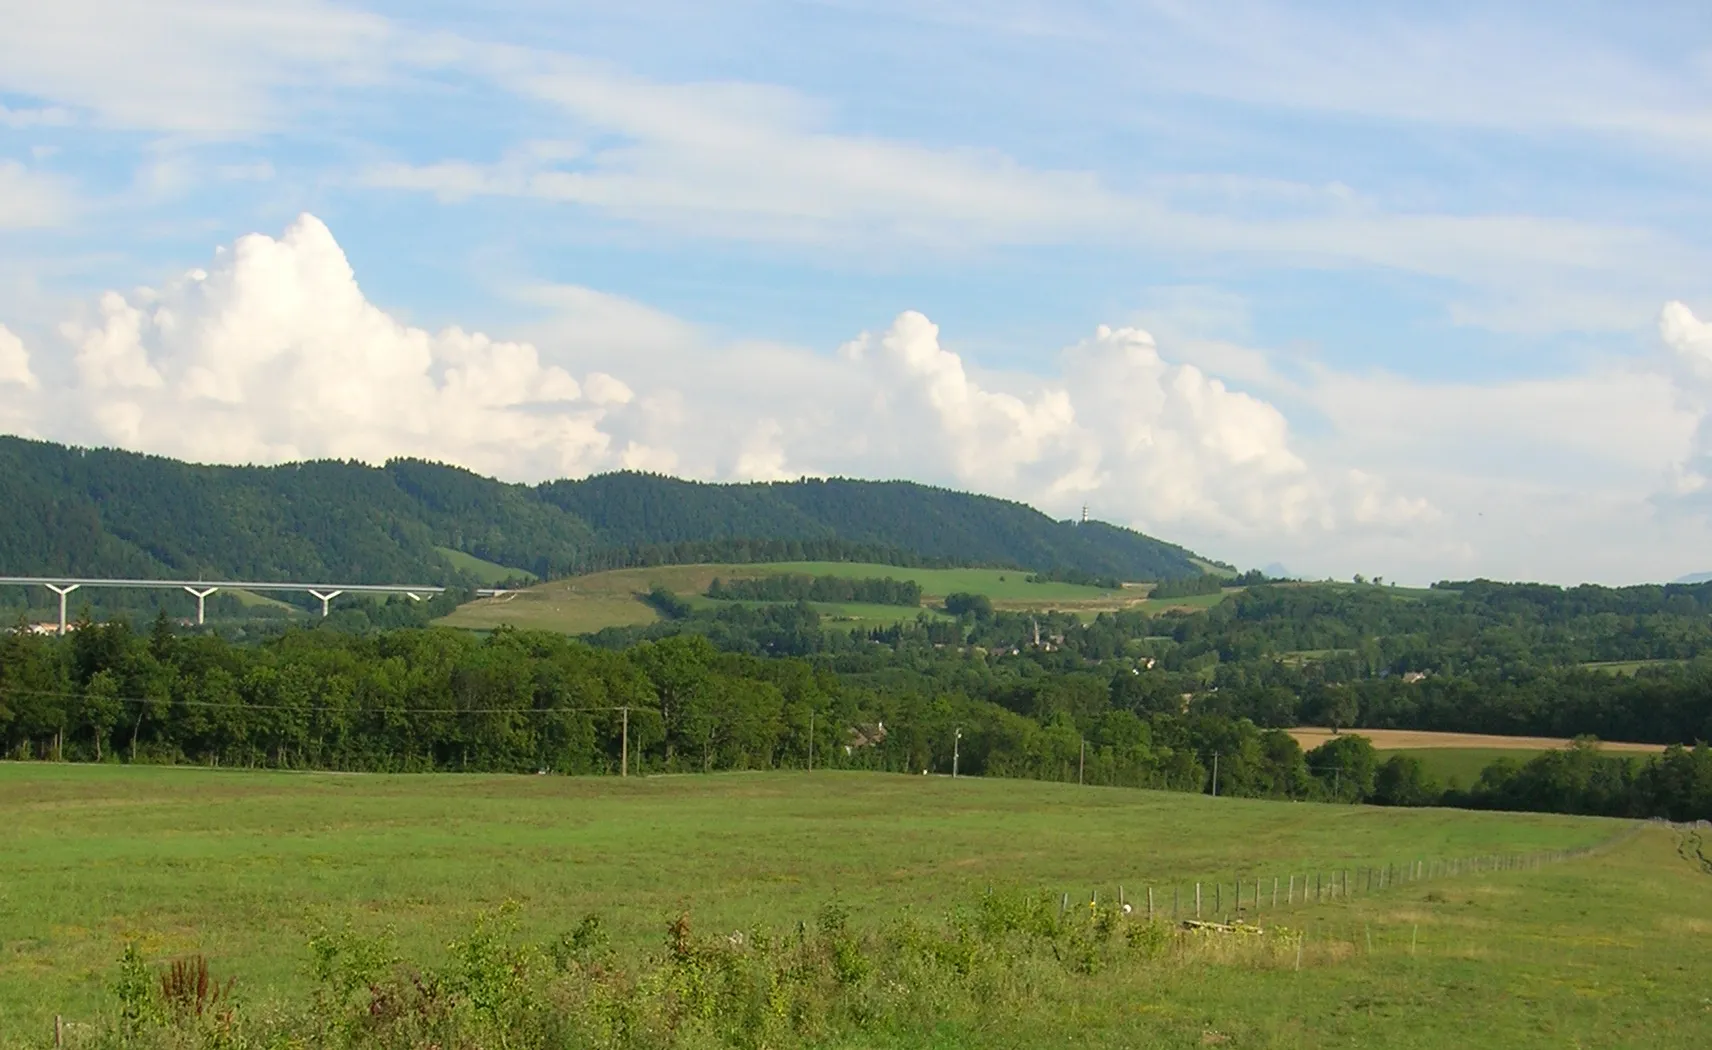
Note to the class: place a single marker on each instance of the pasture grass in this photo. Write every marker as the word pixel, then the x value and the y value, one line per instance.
pixel 243 865
pixel 833 614
pixel 997 584
pixel 1628 667
pixel 584 604
pixel 490 573
pixel 253 600
pixel 1192 601
pixel 1310 737
pixel 1461 766
pixel 1303 657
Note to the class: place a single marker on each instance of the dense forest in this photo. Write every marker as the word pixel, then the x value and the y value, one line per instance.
pixel 1517 659
pixel 103 512
pixel 1123 699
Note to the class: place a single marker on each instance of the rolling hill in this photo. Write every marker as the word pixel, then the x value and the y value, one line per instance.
pixel 104 512
pixel 618 597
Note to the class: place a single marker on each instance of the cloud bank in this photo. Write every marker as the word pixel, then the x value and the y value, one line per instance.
pixel 273 353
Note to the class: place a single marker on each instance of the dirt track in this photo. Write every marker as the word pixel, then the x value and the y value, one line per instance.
pixel 1404 739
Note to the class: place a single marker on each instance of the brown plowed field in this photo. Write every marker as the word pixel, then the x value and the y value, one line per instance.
pixel 1311 737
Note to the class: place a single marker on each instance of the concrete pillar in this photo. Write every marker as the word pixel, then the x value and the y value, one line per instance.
pixel 201 597
pixel 325 599
pixel 62 592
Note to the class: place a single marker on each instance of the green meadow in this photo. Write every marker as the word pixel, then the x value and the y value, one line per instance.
pixel 859 614
pixel 487 572
pixel 1460 765
pixel 584 604
pixel 241 866
pixel 1629 667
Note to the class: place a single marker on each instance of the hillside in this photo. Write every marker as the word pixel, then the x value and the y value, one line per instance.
pixel 106 512
pixel 618 597
pixel 932 523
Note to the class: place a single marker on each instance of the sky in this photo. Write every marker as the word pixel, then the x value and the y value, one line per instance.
pixel 1418 291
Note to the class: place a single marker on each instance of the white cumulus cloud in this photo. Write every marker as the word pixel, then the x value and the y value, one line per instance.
pixel 274 353
pixel 1689 340
pixel 15 361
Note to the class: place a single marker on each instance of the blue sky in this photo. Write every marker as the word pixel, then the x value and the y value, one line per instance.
pixel 1404 275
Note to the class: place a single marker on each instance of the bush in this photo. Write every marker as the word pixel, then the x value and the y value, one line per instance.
pixel 828 982
pixel 963 603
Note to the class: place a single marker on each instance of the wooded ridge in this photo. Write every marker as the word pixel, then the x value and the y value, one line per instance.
pixel 105 512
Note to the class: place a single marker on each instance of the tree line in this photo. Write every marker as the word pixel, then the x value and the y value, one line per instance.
pixel 1206 583
pixel 801 587
pixel 431 699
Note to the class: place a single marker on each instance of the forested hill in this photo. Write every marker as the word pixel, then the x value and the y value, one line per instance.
pixel 104 512
pixel 931 523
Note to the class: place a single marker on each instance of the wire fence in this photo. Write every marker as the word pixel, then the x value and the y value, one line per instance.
pixel 1247 899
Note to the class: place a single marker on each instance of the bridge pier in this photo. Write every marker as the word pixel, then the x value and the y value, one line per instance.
pixel 62 592
pixel 326 599
pixel 201 596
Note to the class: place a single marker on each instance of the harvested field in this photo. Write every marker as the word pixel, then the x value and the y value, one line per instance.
pixel 1311 737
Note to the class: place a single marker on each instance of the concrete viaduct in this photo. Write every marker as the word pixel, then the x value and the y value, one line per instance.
pixel 201 589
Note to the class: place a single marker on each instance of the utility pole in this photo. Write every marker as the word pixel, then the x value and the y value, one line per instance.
pixel 1215 774
pixel 1082 760
pixel 811 741
pixel 956 741
pixel 624 747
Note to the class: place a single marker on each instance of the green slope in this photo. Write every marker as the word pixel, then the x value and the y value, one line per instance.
pixel 585 604
pixel 486 571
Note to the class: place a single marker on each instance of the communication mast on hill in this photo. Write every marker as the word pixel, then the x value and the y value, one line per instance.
pixel 1084 514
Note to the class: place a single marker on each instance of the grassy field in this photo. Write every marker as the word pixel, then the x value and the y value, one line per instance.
pixel 1303 657
pixel 856 614
pixel 487 572
pixel 1193 601
pixel 1389 588
pixel 1425 739
pixel 252 600
pixel 1457 757
pixel 1607 951
pixel 584 604
pixel 1460 765
pixel 1628 667
pixel 998 584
